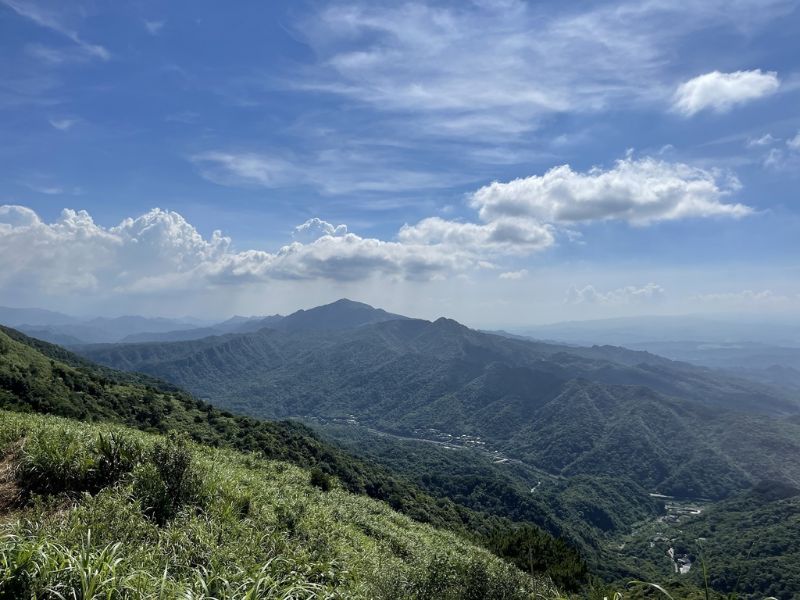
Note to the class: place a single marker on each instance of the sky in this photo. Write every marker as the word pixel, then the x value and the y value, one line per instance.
pixel 499 162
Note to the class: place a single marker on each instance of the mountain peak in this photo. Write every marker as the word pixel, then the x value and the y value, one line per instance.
pixel 451 323
pixel 342 302
pixel 341 314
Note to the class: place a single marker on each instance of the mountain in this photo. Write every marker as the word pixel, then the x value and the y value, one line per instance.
pixel 60 329
pixel 13 317
pixel 232 325
pixel 39 377
pixel 342 314
pixel 51 334
pixel 765 363
pixel 64 330
pixel 599 411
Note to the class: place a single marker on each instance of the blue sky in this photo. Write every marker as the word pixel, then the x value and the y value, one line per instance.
pixel 645 157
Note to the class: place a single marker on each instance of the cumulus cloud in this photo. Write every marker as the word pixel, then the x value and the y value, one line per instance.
pixel 722 91
pixel 508 235
pixel 514 275
pixel 160 251
pixel 640 191
pixel 626 295
pixel 315 228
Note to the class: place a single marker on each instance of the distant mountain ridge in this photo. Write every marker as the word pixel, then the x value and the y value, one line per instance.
pixel 62 329
pixel 599 410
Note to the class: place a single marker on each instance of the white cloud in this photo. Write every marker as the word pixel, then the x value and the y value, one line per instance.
pixel 62 124
pixel 722 91
pixel 783 159
pixel 794 143
pixel 640 191
pixel 625 295
pixel 498 68
pixel 509 236
pixel 514 275
pixel 154 27
pixel 53 20
pixel 52 189
pixel 227 168
pixel 160 252
pixel 339 171
pixel 765 140
pixel 315 228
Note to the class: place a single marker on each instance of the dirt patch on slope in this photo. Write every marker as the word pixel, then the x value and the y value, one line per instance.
pixel 10 492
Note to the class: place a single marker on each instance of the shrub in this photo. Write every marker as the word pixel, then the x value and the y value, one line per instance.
pixel 64 460
pixel 320 479
pixel 167 481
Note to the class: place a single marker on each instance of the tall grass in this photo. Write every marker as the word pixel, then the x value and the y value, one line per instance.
pixel 113 513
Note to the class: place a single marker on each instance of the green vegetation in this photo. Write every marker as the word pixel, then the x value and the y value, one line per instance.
pixel 38 377
pixel 127 514
pixel 608 412
pixel 750 544
pixel 589 511
pixel 581 455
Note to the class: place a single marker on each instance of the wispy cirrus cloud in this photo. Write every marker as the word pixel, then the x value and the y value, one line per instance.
pixel 765 140
pixel 154 27
pixel 52 19
pixel 499 68
pixel 62 124
pixel 331 171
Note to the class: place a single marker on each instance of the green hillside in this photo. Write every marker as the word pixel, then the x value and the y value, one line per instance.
pixel 102 511
pixel 750 544
pixel 582 454
pixel 39 377
pixel 673 428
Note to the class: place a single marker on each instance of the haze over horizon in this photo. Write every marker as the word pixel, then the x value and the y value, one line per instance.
pixel 497 162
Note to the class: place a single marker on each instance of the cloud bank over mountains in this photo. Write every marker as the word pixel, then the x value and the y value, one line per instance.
pixel 161 251
pixel 630 294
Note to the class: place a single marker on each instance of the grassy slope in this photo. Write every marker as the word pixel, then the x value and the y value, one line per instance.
pixel 237 525
pixel 39 377
pixel 62 384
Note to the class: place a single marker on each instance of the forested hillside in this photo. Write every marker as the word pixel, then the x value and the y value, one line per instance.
pixel 675 428
pixel 576 440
